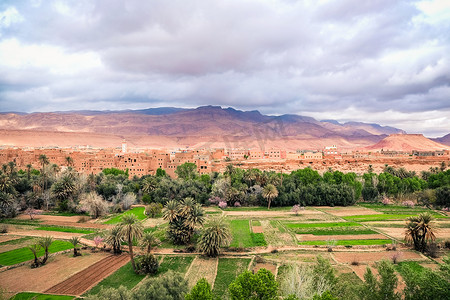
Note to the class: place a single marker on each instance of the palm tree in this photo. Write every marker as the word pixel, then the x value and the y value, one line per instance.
pixel 115 239
pixel 131 229
pixel 270 192
pixel 148 240
pixel 170 212
pixel 35 249
pixel 44 161
pixel 29 166
pixel 64 188
pixel 69 161
pixel 149 184
pixel 75 241
pixel 419 230
pixel 45 242
pixel 216 234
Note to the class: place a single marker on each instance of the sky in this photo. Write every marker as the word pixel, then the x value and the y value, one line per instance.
pixel 379 61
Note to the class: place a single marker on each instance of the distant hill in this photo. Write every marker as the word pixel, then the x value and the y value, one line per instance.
pixel 407 142
pixel 443 140
pixel 207 125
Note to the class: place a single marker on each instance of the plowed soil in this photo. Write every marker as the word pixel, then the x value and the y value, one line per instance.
pixel 271 267
pixel 39 233
pixel 350 211
pixel 64 221
pixel 368 257
pixel 257 229
pixel 311 237
pixel 202 268
pixel 82 281
pixel 5 238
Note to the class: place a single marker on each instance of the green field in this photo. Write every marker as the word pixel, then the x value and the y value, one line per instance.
pixel 16 256
pixel 124 276
pixel 16 241
pixel 65 229
pixel 175 263
pixel 258 239
pixel 37 296
pixel 227 271
pixel 349 242
pixel 138 211
pixel 240 229
pixel 371 218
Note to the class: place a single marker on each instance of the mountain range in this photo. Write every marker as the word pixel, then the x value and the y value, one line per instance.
pixel 170 127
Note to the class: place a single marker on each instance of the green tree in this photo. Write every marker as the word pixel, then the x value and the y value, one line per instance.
pixel 131 229
pixel 419 230
pixel 383 289
pixel 170 286
pixel 269 193
pixel 187 171
pixel 200 291
pixel 248 286
pixel 75 241
pixel 44 161
pixel 148 241
pixel 114 238
pixel 45 242
pixel 121 293
pixel 215 235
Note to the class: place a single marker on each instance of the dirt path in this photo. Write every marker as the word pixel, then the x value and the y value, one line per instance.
pixel 40 233
pixel 349 211
pixel 82 281
pixel 59 268
pixel 65 221
pixel 265 214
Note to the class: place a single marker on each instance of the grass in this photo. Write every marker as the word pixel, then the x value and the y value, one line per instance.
pixel 399 209
pixel 175 263
pixel 412 264
pixel 240 229
pixel 258 239
pixel 37 296
pixel 20 222
pixel 256 223
pixel 316 225
pixel 336 231
pixel 16 256
pixel 65 229
pixel 277 224
pixel 16 241
pixel 370 218
pixel 349 242
pixel 138 211
pixel 64 214
pixel 227 270
pixel 124 276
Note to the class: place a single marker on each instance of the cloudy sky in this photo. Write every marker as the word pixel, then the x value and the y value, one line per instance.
pixel 377 61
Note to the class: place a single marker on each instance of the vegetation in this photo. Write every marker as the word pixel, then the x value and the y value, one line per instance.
pixel 179 264
pixel 216 234
pixel 419 230
pixel 65 229
pixel 137 211
pixel 350 242
pixel 240 230
pixel 249 286
pixel 37 296
pixel 200 291
pixel 147 264
pixel 131 229
pixel 227 270
pixel 16 256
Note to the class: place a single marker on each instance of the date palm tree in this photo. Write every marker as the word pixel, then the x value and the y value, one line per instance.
pixel 115 239
pixel 45 242
pixel 35 249
pixel 170 211
pixel 270 192
pixel 44 161
pixel 75 241
pixel 419 230
pixel 216 234
pixel 148 240
pixel 131 229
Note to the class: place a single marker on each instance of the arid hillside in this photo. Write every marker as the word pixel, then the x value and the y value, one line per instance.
pixel 209 126
pixel 407 142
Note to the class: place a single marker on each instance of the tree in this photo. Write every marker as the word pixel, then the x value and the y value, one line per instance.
pixel 35 249
pixel 69 161
pixel 187 171
pixel 121 293
pixel 215 235
pixel 170 286
pixel 75 241
pixel 115 239
pixel 419 230
pixel 248 286
pixel 63 190
pixel 148 241
pixel 94 204
pixel 200 291
pixel 269 193
pixel 147 264
pixel 384 289
pixel 153 209
pixel 45 242
pixel 44 161
pixel 131 229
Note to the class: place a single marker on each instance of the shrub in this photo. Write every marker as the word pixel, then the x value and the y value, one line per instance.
pixel 247 286
pixel 447 244
pixel 408 203
pixel 153 209
pixel 396 257
pixel 222 204
pixel 386 201
pixel 170 286
pixel 83 219
pixel 214 200
pixel 147 264
pixel 146 199
pixel 3 228
pixel 295 209
pixel 443 196
pixel 237 204
pixel 200 291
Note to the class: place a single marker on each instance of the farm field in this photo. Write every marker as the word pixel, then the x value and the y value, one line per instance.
pixel 357 233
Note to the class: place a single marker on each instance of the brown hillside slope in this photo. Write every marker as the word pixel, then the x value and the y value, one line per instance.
pixel 406 142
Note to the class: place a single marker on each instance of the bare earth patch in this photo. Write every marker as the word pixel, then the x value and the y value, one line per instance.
pixel 265 214
pixel 4 248
pixel 399 233
pixel 38 233
pixel 311 237
pixel 268 266
pixel 38 280
pixel 202 268
pixel 368 257
pixel 152 222
pixel 350 211
pixel 5 238
pixel 257 229
pixel 65 221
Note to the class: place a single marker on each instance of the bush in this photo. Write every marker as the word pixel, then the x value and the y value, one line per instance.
pixel 443 196
pixel 146 199
pixel 248 286
pixel 3 228
pixel 370 193
pixel 408 203
pixel 200 291
pixel 153 209
pixel 170 286
pixel 222 204
pixel 147 264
